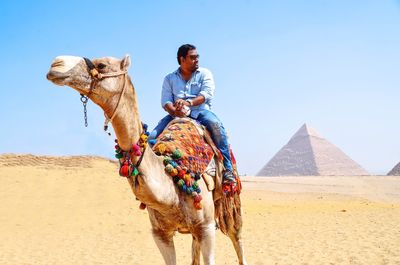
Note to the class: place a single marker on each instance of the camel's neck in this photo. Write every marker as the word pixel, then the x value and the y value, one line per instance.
pixel 151 185
pixel 126 123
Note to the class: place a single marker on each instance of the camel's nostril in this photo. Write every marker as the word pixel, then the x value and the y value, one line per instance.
pixel 57 63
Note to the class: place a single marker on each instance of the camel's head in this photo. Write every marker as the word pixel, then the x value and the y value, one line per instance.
pixel 99 77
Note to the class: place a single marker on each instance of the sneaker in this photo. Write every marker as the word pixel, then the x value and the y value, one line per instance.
pixel 229 178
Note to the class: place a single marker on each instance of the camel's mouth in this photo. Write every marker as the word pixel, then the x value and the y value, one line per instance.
pixel 62 68
pixel 56 77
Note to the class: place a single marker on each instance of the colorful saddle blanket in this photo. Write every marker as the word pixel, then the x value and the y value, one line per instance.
pixel 186 137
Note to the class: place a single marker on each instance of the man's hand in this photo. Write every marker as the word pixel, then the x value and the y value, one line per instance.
pixel 180 103
pixel 173 111
pixel 179 113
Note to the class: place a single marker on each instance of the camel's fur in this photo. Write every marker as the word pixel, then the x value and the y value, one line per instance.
pixel 169 209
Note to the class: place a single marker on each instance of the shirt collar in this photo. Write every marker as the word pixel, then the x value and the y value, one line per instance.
pixel 178 71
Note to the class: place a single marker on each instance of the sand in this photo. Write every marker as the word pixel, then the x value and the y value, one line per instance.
pixel 77 210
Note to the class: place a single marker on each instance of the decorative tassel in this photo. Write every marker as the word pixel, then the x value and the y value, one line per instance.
pixel 136 150
pixel 197 205
pixel 125 169
pixel 197 198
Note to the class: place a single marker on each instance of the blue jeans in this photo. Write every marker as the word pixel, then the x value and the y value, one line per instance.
pixel 213 125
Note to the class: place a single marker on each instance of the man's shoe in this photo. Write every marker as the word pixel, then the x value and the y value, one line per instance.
pixel 228 178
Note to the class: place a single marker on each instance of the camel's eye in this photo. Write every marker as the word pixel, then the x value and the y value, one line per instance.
pixel 101 66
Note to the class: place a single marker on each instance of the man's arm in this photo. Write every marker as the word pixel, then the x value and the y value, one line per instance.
pixel 208 85
pixel 166 93
pixel 167 99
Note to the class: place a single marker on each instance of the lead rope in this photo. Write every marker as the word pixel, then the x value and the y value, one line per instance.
pixel 84 100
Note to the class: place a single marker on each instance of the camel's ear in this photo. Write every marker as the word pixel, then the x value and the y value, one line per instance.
pixel 126 62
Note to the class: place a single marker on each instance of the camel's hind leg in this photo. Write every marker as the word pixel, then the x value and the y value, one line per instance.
pixel 229 215
pixel 236 239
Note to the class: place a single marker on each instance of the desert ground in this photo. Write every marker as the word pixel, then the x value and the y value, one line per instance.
pixel 77 210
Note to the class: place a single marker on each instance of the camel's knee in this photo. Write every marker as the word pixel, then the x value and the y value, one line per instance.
pixel 204 231
pixel 163 236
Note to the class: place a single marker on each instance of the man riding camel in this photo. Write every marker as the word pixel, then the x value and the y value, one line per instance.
pixel 188 92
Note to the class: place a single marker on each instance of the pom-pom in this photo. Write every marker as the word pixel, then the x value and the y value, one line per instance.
pixel 181 183
pixel 136 150
pixel 169 168
pixel 145 127
pixel 175 179
pixel 197 176
pixel 184 188
pixel 197 198
pixel 166 161
pixel 198 190
pixel 125 170
pixel 197 205
pixel 173 163
pixel 195 185
pixel 147 134
pixel 116 141
pixel 176 154
pixel 134 172
pixel 161 148
pixel 189 182
pixel 189 190
pixel 143 138
pixel 118 155
pixel 174 172
pixel 181 173
pixel 152 141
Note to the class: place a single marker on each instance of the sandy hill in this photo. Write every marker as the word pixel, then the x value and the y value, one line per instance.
pixel 12 160
pixel 77 210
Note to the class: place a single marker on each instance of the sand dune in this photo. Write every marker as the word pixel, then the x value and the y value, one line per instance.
pixel 77 210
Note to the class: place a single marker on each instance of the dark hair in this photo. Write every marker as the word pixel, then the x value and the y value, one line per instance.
pixel 183 51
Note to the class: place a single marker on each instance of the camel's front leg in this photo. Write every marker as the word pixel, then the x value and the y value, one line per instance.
pixel 165 244
pixel 206 236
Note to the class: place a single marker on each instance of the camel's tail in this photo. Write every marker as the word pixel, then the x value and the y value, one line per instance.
pixel 228 213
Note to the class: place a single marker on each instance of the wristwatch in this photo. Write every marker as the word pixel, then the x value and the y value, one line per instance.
pixel 190 102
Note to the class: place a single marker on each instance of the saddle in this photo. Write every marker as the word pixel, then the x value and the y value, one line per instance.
pixel 190 144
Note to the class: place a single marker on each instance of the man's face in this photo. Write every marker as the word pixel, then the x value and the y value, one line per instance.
pixel 191 61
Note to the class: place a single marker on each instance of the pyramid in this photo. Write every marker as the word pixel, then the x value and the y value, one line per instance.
pixel 308 154
pixel 395 171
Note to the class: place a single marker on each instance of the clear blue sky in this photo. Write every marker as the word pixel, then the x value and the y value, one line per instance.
pixel 277 65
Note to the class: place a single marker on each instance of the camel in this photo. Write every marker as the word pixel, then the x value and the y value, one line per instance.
pixel 106 82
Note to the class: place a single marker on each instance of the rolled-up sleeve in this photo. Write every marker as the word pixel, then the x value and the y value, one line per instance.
pixel 208 85
pixel 166 92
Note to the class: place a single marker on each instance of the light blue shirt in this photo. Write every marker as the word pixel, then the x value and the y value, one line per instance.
pixel 201 83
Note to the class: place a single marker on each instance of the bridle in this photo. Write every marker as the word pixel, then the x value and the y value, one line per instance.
pixel 95 78
pixel 127 167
